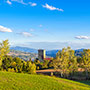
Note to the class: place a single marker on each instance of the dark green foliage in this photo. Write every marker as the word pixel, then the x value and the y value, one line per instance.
pixel 45 64
pixel 30 67
pixel 13 64
pixel 38 64
pixel 6 62
pixel 18 65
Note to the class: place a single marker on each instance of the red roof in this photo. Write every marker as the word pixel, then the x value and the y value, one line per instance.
pixel 47 58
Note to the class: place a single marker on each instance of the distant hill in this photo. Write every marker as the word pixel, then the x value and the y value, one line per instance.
pixel 24 49
pixel 51 53
pixel 78 52
pixel 21 81
pixel 23 55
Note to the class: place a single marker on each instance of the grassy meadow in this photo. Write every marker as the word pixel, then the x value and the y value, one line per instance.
pixel 20 81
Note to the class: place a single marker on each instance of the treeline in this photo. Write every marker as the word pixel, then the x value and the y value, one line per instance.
pixel 45 64
pixel 14 64
pixel 66 63
pixel 71 66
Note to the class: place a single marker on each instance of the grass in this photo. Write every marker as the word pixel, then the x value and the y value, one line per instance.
pixel 19 81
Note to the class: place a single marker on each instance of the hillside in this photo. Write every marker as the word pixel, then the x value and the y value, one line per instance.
pixel 19 81
pixel 23 55
pixel 24 49
pixel 50 53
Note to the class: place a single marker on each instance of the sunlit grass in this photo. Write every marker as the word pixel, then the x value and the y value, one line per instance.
pixel 19 81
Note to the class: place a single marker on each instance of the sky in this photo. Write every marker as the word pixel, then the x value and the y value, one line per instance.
pixel 48 24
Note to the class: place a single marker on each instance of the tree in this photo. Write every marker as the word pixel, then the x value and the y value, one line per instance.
pixel 19 64
pixel 6 62
pixel 73 65
pixel 38 64
pixel 4 50
pixel 13 64
pixel 65 61
pixel 45 64
pixel 31 67
pixel 86 61
pixel 24 66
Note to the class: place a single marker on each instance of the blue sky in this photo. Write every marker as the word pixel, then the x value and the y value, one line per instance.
pixel 55 22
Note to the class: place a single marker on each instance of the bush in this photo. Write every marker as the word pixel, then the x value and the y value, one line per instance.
pixel 11 70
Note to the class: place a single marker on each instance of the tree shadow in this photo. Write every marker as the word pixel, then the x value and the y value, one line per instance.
pixel 85 82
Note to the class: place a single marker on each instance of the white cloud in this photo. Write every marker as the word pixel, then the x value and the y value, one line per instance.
pixel 33 4
pixel 19 1
pixel 26 34
pixel 52 7
pixel 56 45
pixel 82 37
pixel 9 2
pixel 22 2
pixel 4 29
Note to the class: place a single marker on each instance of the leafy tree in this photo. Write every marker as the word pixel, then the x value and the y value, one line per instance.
pixel 11 70
pixel 45 64
pixel 17 60
pixel 86 61
pixel 24 66
pixel 4 50
pixel 65 61
pixel 13 64
pixel 6 62
pixel 38 64
pixel 31 67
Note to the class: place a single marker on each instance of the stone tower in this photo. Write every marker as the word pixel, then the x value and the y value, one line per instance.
pixel 41 54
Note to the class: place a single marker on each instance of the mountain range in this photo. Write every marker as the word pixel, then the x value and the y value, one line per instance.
pixel 51 53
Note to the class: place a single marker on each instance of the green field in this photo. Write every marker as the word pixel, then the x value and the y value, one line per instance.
pixel 19 81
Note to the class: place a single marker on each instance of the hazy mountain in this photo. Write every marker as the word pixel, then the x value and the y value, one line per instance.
pixel 24 49
pixel 51 53
pixel 23 55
